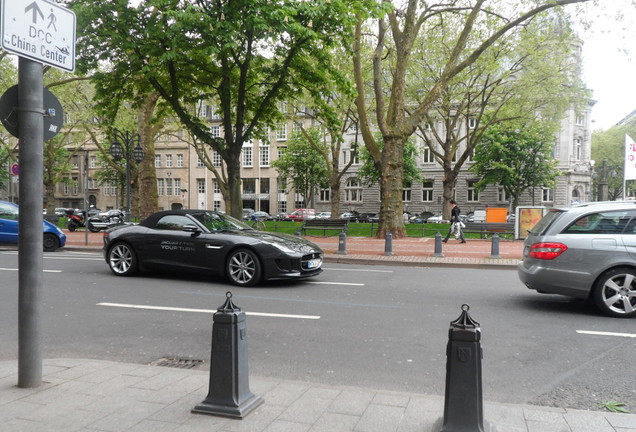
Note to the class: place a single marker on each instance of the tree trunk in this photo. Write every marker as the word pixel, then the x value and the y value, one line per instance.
pixel 147 173
pixel 391 186
pixel 450 179
pixel 234 204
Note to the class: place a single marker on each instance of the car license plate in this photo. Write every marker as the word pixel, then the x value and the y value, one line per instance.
pixel 314 263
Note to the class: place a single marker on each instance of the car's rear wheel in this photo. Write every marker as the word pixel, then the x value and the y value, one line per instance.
pixel 122 259
pixel 243 268
pixel 92 227
pixel 615 292
pixel 51 242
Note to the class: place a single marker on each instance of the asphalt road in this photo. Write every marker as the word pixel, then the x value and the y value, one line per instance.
pixel 370 326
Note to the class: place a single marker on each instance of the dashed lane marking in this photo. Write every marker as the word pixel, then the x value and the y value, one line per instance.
pixel 45 271
pixel 597 333
pixel 176 309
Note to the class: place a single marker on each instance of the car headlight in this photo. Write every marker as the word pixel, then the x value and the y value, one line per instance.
pixel 282 248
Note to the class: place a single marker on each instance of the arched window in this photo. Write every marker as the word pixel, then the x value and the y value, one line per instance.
pixel 353 190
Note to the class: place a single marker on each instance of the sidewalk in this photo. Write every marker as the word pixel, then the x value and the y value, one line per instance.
pixel 96 395
pixel 411 251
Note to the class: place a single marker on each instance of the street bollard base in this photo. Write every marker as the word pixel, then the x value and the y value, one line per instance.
pixel 439 427
pixel 235 411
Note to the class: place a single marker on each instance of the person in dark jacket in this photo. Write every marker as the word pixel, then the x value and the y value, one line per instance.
pixel 455 227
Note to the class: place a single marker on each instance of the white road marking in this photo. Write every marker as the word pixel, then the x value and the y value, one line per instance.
pixel 358 270
pixel 335 283
pixel 596 333
pixel 175 309
pixel 45 271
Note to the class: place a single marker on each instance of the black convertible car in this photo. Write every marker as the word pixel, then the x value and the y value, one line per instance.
pixel 202 240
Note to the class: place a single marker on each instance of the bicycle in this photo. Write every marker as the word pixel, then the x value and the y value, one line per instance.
pixel 257 224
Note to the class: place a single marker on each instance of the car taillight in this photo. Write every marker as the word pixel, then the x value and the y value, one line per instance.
pixel 547 251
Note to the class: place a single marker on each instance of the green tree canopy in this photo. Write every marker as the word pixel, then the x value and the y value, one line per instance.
pixel 301 163
pixel 516 156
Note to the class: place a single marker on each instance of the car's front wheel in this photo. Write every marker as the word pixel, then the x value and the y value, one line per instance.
pixel 243 268
pixel 615 292
pixel 122 259
pixel 51 242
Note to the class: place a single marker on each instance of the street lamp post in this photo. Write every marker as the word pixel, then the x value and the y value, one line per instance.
pixel 127 145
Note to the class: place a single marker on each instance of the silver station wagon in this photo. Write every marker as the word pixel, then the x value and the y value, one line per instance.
pixel 587 251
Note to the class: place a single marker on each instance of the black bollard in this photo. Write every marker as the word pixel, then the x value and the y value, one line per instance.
pixel 342 243
pixel 229 393
pixel 463 404
pixel 388 244
pixel 494 248
pixel 438 246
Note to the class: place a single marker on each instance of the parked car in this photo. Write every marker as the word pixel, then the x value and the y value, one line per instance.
pixel 209 242
pixel 421 218
pixel 351 216
pixel 247 213
pixel 281 216
pixel 54 238
pixel 588 252
pixel 437 219
pixel 302 214
pixel 261 215
pixel 323 215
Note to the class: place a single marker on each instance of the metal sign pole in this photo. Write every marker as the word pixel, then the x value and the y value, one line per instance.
pixel 30 239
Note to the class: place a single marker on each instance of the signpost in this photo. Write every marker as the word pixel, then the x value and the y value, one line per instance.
pixel 40 31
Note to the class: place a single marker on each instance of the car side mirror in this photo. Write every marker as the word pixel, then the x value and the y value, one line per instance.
pixel 191 229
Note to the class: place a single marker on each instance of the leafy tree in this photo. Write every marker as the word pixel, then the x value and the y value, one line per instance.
pixel 369 174
pixel 301 163
pixel 397 115
pixel 610 145
pixel 517 156
pixel 242 58
pixel 533 74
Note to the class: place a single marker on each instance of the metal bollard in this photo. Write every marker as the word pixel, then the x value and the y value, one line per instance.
pixel 388 244
pixel 463 403
pixel 297 233
pixel 229 393
pixel 494 248
pixel 438 246
pixel 342 243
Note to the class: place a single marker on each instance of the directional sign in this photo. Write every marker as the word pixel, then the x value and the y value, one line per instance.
pixel 39 30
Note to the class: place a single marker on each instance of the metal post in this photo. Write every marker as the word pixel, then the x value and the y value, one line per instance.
pixel 229 392
pixel 30 240
pixel 463 403
pixel 438 246
pixel 342 243
pixel 494 248
pixel 125 149
pixel 388 243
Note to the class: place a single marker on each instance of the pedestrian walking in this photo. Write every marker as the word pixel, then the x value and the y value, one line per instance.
pixel 456 224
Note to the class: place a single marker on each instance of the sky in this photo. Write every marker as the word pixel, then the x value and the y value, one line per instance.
pixel 609 63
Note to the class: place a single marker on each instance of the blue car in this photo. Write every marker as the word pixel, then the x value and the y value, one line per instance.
pixel 54 238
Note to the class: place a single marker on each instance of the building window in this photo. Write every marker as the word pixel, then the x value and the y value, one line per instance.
pixel 580 120
pixel 93 162
pixel 263 155
pixel 296 128
pixel 264 186
pixel 577 149
pixel 406 192
pixel 282 206
pixel 177 186
pixel 217 205
pixel 216 186
pixel 161 187
pixel 216 158
pixel 502 196
pixel 427 191
pixel 427 155
pixel 353 190
pixel 281 132
pixel 324 195
pixel 547 195
pixel 282 186
pixel 169 161
pixel 168 186
pixel 199 162
pixel 472 194
pixel 248 155
pixel 179 161
pixel 157 161
pixel 249 186
pixel 201 186
pixel 215 131
pixel 472 123
pixel 351 155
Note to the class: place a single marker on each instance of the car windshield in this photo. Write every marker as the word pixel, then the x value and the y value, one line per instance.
pixel 219 222
pixel 546 221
